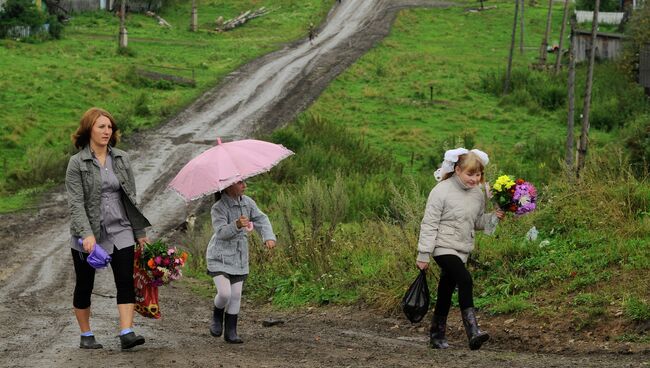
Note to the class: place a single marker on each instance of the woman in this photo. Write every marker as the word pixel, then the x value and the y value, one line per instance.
pixel 233 216
pixel 454 210
pixel 104 213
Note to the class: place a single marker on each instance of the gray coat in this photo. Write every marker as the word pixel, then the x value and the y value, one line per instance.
pixel 83 183
pixel 452 214
pixel 228 248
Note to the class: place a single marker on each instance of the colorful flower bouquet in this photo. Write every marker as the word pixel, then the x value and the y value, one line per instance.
pixel 155 265
pixel 517 196
pixel 160 263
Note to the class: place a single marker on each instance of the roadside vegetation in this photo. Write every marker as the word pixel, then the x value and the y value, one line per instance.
pixel 348 205
pixel 45 85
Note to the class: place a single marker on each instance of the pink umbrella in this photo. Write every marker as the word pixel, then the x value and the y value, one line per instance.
pixel 225 164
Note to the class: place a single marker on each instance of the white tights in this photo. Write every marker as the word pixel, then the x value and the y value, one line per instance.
pixel 227 293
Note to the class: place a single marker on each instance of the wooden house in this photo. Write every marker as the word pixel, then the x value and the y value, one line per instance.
pixel 608 45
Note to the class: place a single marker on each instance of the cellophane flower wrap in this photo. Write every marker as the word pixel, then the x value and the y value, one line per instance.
pixel 160 263
pixel 517 196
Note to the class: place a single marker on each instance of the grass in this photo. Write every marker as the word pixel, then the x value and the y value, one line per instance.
pixel 45 87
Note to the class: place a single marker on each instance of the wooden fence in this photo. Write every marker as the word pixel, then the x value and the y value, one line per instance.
pixel 583 16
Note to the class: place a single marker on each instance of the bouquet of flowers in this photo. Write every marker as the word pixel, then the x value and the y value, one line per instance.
pixel 155 265
pixel 516 196
pixel 160 263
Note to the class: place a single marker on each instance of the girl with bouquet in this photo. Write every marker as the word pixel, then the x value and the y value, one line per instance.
pixel 233 216
pixel 455 208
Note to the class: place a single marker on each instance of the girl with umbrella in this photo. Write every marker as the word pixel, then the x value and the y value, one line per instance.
pixel 233 216
pixel 222 169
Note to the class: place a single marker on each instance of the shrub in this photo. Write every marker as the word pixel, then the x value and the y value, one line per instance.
pixel 636 136
pixel 56 28
pixel 528 88
pixel 605 5
pixel 19 13
pixel 140 106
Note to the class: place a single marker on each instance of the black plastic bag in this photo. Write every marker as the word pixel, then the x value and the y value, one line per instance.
pixel 415 303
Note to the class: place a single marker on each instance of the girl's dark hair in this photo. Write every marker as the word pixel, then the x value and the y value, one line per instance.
pixel 81 138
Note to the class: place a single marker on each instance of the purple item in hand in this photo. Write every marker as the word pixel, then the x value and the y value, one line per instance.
pixel 98 258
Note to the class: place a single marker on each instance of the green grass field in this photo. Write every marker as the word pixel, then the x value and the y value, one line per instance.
pixel 45 87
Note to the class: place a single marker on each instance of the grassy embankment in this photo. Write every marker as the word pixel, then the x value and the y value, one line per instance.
pixel 347 207
pixel 45 87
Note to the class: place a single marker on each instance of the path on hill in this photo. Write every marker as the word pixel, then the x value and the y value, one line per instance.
pixel 36 277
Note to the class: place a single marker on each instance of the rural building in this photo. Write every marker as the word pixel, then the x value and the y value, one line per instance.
pixel 608 45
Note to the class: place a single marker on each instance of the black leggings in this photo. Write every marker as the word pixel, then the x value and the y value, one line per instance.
pixel 452 273
pixel 122 265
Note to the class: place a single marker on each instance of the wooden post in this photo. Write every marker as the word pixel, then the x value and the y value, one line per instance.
pixel 584 134
pixel 506 88
pixel 571 100
pixel 123 38
pixel 194 22
pixel 542 49
pixel 558 59
pixel 431 92
pixel 521 28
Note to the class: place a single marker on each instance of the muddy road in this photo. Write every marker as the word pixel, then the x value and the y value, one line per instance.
pixel 36 275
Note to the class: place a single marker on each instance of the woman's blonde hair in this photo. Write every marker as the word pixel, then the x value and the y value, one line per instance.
pixel 81 138
pixel 469 162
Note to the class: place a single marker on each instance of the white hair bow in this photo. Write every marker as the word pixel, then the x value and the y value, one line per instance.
pixel 451 157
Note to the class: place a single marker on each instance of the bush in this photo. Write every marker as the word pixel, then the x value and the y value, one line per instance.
pixel 141 107
pixel 605 5
pixel 56 28
pixel 19 13
pixel 637 142
pixel 616 99
pixel 527 88
pixel 638 34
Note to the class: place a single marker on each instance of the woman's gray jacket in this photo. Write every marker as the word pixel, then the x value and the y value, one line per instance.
pixel 228 248
pixel 83 183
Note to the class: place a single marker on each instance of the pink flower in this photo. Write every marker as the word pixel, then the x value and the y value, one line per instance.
pixel 158 259
pixel 171 251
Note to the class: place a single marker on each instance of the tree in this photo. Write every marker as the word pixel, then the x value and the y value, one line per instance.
pixel 584 134
pixel 506 88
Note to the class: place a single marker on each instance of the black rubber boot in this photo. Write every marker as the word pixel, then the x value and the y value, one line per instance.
pixel 130 340
pixel 475 336
pixel 89 342
pixel 230 329
pixel 437 332
pixel 216 328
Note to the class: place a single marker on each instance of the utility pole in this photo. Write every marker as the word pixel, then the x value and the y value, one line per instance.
pixel 542 49
pixel 571 83
pixel 584 134
pixel 521 34
pixel 558 59
pixel 194 22
pixel 123 38
pixel 506 88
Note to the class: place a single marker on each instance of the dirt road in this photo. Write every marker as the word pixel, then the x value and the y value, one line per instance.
pixel 36 277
